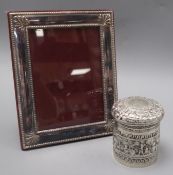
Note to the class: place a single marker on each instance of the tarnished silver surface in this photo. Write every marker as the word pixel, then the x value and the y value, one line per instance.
pixel 19 23
pixel 136 131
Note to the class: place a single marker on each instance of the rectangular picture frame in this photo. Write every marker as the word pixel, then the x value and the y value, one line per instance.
pixel 84 116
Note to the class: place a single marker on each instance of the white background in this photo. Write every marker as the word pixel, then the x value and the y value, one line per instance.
pixel 144 44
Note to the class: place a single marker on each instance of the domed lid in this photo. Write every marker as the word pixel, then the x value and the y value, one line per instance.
pixel 137 111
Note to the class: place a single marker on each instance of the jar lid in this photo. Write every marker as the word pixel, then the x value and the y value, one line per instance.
pixel 137 111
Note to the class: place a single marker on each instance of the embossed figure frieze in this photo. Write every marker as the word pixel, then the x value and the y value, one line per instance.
pixel 20 22
pixel 136 134
pixel 136 150
pixel 136 147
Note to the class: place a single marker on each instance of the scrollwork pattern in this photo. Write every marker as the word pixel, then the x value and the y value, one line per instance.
pixel 20 22
pixel 152 113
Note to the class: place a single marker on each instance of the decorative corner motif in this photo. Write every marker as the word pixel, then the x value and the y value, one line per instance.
pixel 109 125
pixel 106 19
pixel 20 22
pixel 31 138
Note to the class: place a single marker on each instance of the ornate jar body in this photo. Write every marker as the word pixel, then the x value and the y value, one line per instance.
pixel 136 131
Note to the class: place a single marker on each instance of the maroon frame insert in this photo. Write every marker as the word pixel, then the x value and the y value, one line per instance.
pixel 67 76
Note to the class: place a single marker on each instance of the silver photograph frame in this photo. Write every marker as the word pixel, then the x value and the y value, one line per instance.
pixel 19 23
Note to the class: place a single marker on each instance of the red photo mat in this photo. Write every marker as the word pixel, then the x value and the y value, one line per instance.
pixel 67 76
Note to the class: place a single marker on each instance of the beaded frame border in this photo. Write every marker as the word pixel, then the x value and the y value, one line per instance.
pixel 19 23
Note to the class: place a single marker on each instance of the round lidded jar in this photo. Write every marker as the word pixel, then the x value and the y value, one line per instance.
pixel 136 131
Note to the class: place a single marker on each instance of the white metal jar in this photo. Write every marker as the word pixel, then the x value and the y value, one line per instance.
pixel 136 131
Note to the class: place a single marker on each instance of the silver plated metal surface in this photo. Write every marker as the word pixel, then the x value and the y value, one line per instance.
pixel 136 131
pixel 19 23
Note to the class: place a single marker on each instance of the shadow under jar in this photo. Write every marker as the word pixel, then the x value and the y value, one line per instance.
pixel 136 131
